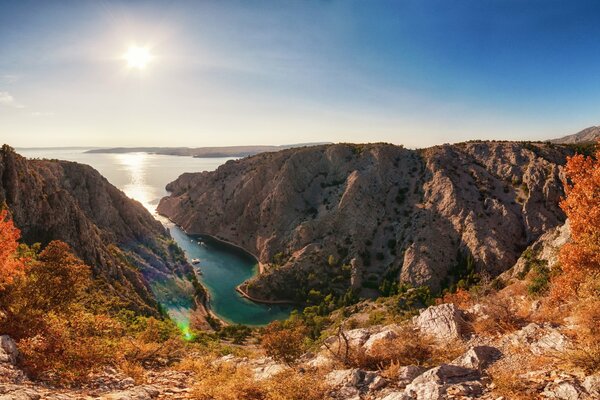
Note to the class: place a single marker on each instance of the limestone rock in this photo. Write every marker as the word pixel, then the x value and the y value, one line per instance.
pixel 565 390
pixel 8 350
pixel 540 338
pixel 396 396
pixel 432 384
pixel 592 385
pixel 408 373
pixel 387 333
pixel 444 322
pixel 145 392
pixel 478 357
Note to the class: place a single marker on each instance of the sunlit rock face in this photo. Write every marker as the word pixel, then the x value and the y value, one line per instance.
pixel 412 215
pixel 116 236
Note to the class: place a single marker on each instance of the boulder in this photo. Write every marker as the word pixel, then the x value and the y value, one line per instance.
pixel 432 384
pixel 444 322
pixel 592 385
pixel 387 333
pixel 338 378
pixel 145 392
pixel 8 350
pixel 408 373
pixel 565 390
pixel 396 396
pixel 541 339
pixel 478 357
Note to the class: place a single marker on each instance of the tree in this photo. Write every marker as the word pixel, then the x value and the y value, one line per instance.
pixel 10 264
pixel 581 257
pixel 284 343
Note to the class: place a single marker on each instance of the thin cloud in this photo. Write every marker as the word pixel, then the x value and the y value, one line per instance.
pixel 7 100
pixel 40 114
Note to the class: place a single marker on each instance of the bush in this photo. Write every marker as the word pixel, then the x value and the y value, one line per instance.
pixel 285 343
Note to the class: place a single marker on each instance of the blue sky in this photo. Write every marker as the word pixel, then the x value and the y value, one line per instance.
pixel 416 73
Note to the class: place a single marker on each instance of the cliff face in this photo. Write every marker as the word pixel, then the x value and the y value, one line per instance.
pixel 124 244
pixel 388 212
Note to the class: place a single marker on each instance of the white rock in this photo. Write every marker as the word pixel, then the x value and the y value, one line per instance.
pixel 145 392
pixel 443 322
pixel 478 357
pixel 338 377
pixel 592 385
pixel 267 371
pixel 564 390
pixel 388 333
pixel 320 361
pixel 432 384
pixel 396 396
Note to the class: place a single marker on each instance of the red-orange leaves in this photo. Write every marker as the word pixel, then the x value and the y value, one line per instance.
pixel 10 264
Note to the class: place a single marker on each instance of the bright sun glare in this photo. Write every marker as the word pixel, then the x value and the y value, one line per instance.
pixel 137 57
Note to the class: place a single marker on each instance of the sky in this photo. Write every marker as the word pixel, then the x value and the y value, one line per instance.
pixel 416 73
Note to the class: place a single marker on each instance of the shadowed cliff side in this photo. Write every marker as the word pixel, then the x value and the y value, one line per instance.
pixel 117 236
pixel 338 216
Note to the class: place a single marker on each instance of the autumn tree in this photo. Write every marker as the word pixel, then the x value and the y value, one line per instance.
pixel 581 257
pixel 284 342
pixel 10 264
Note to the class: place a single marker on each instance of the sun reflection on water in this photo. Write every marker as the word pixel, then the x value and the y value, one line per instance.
pixel 135 165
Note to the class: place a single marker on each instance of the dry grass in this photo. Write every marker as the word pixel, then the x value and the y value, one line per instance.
pixel 227 381
pixel 504 313
pixel 409 347
pixel 515 376
pixel 133 370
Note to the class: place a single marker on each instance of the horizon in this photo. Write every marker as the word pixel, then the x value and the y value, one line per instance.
pixel 204 74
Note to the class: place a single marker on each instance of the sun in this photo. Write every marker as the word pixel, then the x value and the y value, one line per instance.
pixel 137 57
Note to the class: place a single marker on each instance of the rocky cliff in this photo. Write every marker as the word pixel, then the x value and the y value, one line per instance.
pixel 335 216
pixel 126 247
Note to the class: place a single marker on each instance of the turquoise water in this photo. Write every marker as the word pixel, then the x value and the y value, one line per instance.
pixel 223 267
pixel 143 177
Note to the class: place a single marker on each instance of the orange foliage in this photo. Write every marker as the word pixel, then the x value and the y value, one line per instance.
pixel 284 343
pixel 10 265
pixel 582 206
pixel 461 298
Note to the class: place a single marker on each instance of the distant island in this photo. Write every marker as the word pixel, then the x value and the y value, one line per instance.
pixel 203 152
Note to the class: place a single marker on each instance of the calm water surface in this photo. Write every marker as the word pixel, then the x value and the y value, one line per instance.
pixel 143 177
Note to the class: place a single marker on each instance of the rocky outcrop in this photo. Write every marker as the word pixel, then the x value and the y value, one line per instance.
pixel 444 322
pixel 418 216
pixel 126 247
pixel 544 250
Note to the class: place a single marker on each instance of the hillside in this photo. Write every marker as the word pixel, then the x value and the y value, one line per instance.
pixel 338 216
pixel 117 236
pixel 588 135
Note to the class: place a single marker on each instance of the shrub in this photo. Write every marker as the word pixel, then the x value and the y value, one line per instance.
pixel 11 265
pixel 582 206
pixel 66 350
pixel 284 343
